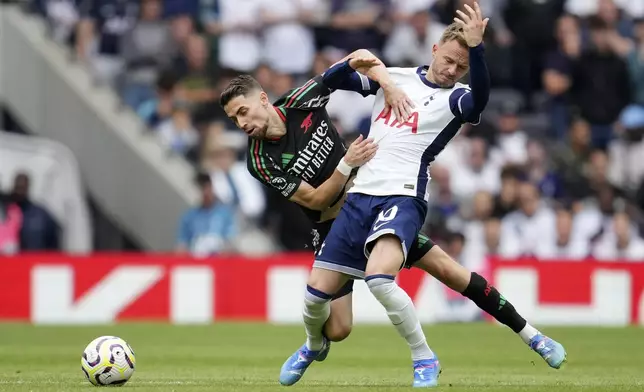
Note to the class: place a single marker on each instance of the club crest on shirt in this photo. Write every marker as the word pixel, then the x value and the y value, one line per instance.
pixel 279 183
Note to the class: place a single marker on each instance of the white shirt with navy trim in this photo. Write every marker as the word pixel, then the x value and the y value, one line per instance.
pixel 401 164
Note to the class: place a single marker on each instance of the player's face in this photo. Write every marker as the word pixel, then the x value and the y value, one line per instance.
pixel 250 113
pixel 451 62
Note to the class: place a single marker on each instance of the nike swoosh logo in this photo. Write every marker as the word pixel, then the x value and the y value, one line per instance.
pixel 376 227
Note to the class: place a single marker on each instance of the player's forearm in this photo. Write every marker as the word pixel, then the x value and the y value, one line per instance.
pixel 328 192
pixel 376 73
pixel 479 79
pixel 342 77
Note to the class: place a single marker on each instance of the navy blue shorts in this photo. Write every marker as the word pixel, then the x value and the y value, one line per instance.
pixel 361 221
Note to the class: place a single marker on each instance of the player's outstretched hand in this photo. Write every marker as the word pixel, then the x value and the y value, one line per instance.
pixel 399 102
pixel 363 63
pixel 360 151
pixel 473 24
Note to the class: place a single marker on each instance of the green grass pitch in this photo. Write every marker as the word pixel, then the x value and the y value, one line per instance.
pixel 247 357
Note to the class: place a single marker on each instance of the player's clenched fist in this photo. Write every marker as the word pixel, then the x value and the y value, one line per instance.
pixel 473 24
pixel 360 152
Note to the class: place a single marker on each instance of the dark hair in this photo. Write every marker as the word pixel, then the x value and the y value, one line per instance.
pixel 455 236
pixel 241 85
pixel 595 23
pixel 511 172
pixel 167 80
pixel 203 179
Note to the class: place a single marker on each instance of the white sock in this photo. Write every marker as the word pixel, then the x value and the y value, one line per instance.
pixel 528 332
pixel 316 311
pixel 402 314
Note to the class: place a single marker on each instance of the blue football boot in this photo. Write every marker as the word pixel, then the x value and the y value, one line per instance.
pixel 295 366
pixel 426 372
pixel 550 350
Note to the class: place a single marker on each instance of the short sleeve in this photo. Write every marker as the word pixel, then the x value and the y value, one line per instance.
pixel 263 167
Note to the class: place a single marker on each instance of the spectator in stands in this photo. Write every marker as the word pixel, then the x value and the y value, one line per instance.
pixel 476 253
pixel 159 108
pixel 595 213
pixel 411 41
pixel 233 185
pixel 511 141
pixel 597 171
pixel 566 245
pixel 355 24
pixel 626 167
pixel 39 230
pixel 283 83
pixel 507 199
pixel 236 25
pixel 532 24
pixel 443 209
pixel 264 75
pixel 98 37
pixel 196 80
pixel 182 25
pixel 558 72
pixel 601 84
pixel 288 44
pixel 532 225
pixel 478 173
pixel 492 230
pixel 621 243
pixel 175 9
pixel 636 63
pixel 146 49
pixel 10 224
pixel 614 18
pixel 474 227
pixel 585 8
pixel 208 228
pixel 178 133
pixel 455 245
pixel 62 16
pixel 539 172
pixel 569 158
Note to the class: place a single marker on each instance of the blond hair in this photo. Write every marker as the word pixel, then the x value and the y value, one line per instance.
pixel 454 32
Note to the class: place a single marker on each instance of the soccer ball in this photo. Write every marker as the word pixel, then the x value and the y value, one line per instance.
pixel 108 360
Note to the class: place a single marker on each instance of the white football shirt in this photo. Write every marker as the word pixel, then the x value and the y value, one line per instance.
pixel 401 164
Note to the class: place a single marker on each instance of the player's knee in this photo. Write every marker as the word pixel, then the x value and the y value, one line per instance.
pixel 325 281
pixel 337 330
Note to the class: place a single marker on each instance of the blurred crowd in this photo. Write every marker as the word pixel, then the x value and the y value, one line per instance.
pixel 552 170
pixel 25 225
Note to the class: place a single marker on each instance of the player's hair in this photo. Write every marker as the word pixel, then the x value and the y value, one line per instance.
pixel 454 32
pixel 240 85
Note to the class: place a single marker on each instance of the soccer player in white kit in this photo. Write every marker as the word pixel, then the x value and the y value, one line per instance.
pixel 387 205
